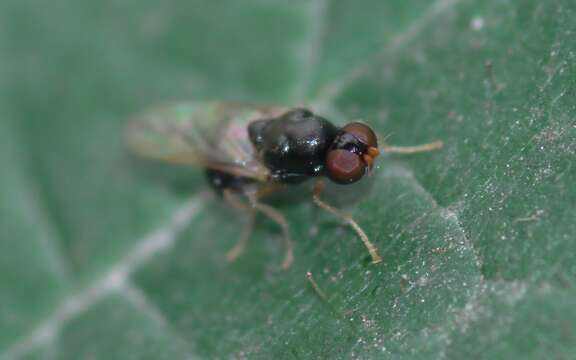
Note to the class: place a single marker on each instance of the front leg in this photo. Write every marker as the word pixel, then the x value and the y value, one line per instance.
pixel 372 250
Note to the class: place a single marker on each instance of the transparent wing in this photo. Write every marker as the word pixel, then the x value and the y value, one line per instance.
pixel 206 134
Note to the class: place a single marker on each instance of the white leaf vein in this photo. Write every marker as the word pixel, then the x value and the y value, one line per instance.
pixel 159 240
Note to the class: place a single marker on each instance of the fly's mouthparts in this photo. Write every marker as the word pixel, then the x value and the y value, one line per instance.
pixel 373 151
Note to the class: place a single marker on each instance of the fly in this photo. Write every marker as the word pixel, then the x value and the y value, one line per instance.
pixel 249 152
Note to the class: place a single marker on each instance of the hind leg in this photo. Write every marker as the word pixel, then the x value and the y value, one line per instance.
pixel 252 207
pixel 279 219
pixel 240 246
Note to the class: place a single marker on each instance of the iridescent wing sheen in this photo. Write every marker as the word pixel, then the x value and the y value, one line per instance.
pixel 211 135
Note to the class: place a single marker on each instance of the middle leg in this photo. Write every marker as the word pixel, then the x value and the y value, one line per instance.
pixel 279 219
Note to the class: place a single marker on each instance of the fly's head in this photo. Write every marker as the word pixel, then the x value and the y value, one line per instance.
pixel 352 153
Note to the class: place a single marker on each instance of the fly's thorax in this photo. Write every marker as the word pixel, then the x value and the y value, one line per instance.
pixel 293 146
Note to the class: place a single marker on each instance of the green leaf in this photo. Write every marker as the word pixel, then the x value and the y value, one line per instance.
pixel 105 257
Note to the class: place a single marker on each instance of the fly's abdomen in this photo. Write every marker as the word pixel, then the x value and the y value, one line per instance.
pixel 220 181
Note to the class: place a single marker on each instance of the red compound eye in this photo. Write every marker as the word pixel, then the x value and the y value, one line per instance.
pixel 363 133
pixel 344 167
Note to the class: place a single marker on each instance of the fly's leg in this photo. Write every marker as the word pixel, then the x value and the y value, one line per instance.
pixel 267 210
pixel 412 149
pixel 279 219
pixel 269 188
pixel 240 246
pixel 348 220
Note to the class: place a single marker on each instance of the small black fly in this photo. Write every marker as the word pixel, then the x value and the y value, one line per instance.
pixel 250 152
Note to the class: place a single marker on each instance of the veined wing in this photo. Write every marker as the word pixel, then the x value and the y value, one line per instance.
pixel 206 134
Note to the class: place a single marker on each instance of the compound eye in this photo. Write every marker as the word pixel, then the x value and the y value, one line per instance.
pixel 344 167
pixel 363 133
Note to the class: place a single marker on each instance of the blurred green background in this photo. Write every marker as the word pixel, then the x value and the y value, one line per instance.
pixel 478 240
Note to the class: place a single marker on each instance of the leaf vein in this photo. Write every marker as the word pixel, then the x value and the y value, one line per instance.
pixel 313 48
pixel 139 299
pixel 398 41
pixel 75 304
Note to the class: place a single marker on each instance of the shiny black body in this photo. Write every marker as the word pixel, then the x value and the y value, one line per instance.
pixel 293 146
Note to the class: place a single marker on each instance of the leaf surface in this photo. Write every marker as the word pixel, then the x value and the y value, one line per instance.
pixel 101 258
